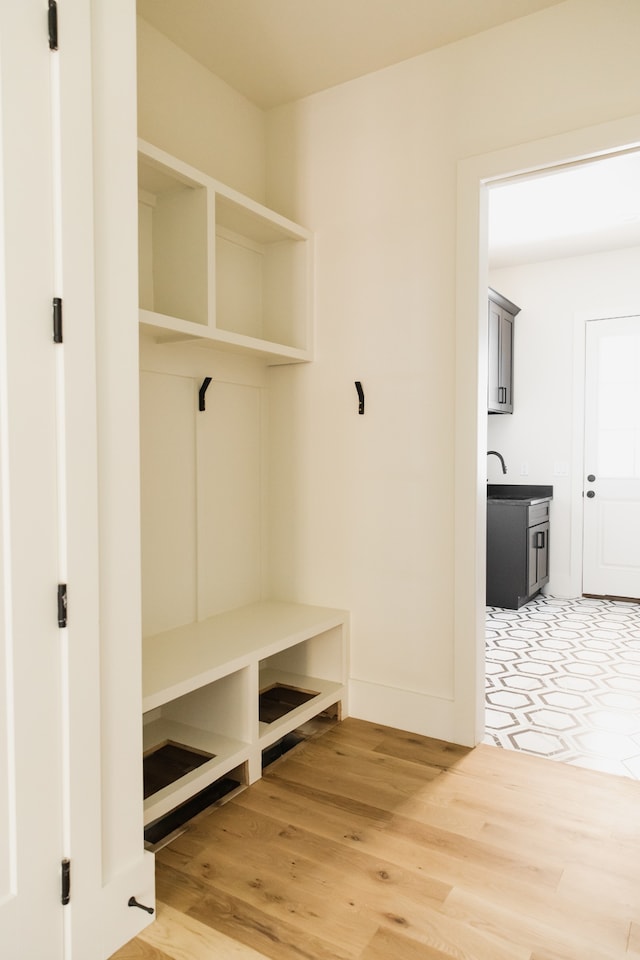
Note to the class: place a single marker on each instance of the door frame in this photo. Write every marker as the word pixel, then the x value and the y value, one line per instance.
pixel 475 175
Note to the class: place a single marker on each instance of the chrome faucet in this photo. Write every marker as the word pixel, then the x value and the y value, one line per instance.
pixel 495 453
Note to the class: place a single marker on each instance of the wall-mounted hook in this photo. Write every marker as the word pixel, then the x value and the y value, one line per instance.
pixel 202 391
pixel 360 396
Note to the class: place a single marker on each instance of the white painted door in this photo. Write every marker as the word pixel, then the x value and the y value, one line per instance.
pixel 70 737
pixel 611 551
pixel 31 914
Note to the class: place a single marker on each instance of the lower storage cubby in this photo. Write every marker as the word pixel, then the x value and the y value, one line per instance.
pixel 167 762
pixel 279 699
pixel 298 683
pixel 192 741
pixel 161 831
pixel 318 725
pixel 317 695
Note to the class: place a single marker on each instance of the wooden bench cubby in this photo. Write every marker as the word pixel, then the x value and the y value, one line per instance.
pixel 212 718
pixel 202 682
pixel 314 665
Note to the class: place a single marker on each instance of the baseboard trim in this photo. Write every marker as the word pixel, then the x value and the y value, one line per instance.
pixel 408 710
pixel 607 596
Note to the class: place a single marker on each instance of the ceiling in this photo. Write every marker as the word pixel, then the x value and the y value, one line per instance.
pixel 276 51
pixel 587 208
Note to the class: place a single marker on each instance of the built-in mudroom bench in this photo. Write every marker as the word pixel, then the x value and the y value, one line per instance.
pixel 227 688
pixel 229 676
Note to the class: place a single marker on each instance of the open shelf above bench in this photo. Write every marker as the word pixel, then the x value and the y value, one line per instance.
pixel 219 268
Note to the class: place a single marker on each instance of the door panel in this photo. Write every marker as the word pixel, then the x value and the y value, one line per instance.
pixel 201 499
pixel 31 915
pixel 506 361
pixel 493 384
pixel 168 410
pixel 538 555
pixel 500 360
pixel 611 552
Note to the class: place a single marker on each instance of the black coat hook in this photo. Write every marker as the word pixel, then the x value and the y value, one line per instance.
pixel 360 396
pixel 202 391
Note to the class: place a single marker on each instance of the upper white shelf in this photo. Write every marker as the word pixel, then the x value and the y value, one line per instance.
pixel 218 267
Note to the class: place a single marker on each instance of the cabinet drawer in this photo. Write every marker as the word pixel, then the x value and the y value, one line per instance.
pixel 538 513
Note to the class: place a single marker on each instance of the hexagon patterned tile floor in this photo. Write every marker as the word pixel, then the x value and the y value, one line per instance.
pixel 563 682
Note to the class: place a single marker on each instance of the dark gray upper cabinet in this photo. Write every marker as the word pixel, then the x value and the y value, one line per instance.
pixel 500 380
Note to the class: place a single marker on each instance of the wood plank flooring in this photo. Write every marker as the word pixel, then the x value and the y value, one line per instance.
pixel 368 843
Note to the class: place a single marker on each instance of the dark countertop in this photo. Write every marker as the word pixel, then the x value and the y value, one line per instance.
pixel 525 493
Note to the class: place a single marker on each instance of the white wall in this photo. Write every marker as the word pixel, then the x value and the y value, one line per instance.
pixel 544 432
pixel 187 111
pixel 365 505
pixel 187 573
pixel 363 509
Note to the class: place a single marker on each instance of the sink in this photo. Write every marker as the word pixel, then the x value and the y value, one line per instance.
pixel 519 492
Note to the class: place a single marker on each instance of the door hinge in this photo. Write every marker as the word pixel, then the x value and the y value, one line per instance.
pixel 53 25
pixel 65 881
pixel 57 319
pixel 62 604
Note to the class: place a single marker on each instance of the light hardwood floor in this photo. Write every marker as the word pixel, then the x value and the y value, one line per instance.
pixel 372 844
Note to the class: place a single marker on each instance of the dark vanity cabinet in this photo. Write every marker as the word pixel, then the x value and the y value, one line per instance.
pixel 500 373
pixel 517 547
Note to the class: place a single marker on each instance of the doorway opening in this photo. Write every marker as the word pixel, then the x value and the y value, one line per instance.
pixel 563 671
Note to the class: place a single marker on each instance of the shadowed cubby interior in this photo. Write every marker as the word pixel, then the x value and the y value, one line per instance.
pixel 169 761
pixel 279 699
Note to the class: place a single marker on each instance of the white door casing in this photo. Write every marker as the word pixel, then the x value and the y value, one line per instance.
pixel 611 517
pixel 475 174
pixel 31 817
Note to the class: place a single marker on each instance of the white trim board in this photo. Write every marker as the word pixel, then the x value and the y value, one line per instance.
pixel 403 709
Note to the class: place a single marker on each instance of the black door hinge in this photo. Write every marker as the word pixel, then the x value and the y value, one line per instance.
pixel 65 881
pixel 57 319
pixel 62 604
pixel 53 25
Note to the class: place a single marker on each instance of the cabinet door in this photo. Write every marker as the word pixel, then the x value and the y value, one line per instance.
pixel 505 389
pixel 500 355
pixel 538 566
pixel 493 385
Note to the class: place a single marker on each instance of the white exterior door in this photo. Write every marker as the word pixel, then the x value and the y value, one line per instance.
pixel 31 820
pixel 611 552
